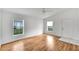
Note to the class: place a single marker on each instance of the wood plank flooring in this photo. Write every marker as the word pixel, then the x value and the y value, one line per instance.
pixel 40 43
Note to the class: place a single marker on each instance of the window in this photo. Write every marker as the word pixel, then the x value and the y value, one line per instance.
pixel 50 25
pixel 18 27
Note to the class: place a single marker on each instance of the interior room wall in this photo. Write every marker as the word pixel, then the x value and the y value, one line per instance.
pixel 32 26
pixel 65 23
pixel 0 26
pixel 57 25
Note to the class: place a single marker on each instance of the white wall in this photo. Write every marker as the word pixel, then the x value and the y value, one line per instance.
pixel 0 25
pixel 66 23
pixel 57 25
pixel 32 26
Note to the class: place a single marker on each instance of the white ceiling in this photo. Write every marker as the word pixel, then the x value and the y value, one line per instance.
pixel 52 11
pixel 37 12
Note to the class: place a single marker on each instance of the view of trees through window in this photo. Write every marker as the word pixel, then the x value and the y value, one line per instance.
pixel 50 25
pixel 18 27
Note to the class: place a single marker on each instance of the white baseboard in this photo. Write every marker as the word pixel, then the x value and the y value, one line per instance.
pixel 21 38
pixel 69 40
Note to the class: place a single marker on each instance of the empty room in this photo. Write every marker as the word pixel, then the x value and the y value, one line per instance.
pixel 39 29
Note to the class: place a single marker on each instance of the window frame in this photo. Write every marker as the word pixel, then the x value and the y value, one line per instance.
pixel 22 28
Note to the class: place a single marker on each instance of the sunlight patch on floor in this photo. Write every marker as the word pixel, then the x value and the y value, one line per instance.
pixel 18 46
pixel 50 42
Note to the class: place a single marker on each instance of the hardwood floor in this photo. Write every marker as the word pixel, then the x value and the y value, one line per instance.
pixel 40 43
